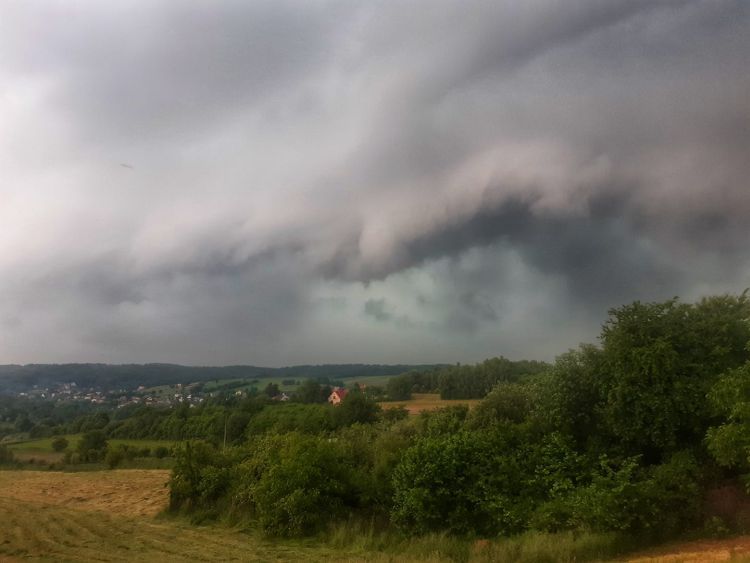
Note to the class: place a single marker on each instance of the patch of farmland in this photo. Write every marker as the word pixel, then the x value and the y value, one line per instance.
pixel 428 402
pixel 108 516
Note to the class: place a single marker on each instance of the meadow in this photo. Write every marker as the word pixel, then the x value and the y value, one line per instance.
pixel 40 450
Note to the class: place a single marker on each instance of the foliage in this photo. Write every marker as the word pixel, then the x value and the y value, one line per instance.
pixel 729 442
pixel 59 444
pixel 92 446
pixel 6 455
pixel 356 408
pixel 399 388
pixel 661 359
pixel 311 391
pixel 294 483
pixel 475 382
pixel 506 403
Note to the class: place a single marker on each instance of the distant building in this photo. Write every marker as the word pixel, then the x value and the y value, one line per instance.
pixel 337 395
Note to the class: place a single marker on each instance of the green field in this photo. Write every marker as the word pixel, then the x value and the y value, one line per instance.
pixel 261 383
pixel 40 451
pixel 44 445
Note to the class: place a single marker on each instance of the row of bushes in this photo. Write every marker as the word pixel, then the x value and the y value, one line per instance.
pixel 425 476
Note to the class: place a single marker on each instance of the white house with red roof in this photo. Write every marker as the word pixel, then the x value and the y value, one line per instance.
pixel 337 395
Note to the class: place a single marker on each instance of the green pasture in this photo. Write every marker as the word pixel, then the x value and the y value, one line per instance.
pixel 44 445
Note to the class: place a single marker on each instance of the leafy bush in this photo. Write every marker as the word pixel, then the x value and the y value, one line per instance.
pixel 192 461
pixel 59 444
pixel 460 483
pixel 92 446
pixel 114 457
pixel 294 483
pixel 6 455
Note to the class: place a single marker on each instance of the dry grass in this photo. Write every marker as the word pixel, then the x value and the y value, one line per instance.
pixel 428 402
pixel 109 516
pixel 126 492
pixel 730 549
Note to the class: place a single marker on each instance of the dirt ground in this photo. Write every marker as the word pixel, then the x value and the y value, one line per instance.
pixel 129 492
pixel 730 549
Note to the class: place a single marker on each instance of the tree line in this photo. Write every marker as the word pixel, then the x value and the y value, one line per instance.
pixel 462 381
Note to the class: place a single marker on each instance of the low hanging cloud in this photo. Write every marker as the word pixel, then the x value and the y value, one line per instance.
pixel 283 182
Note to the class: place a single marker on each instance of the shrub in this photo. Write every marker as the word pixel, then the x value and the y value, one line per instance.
pixel 294 484
pixel 438 485
pixel 59 444
pixel 114 457
pixel 356 408
pixel 6 455
pixel 192 459
pixel 92 446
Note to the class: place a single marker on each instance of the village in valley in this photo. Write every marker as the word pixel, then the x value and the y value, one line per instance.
pixel 191 394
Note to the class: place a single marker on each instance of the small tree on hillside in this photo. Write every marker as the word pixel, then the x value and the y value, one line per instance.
pixel 59 444
pixel 92 446
pixel 356 407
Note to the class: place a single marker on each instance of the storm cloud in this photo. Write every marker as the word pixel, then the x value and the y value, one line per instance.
pixel 300 182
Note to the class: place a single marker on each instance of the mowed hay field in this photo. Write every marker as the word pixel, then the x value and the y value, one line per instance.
pixel 110 516
pixel 428 402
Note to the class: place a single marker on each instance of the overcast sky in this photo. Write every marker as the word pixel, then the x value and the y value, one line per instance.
pixel 276 182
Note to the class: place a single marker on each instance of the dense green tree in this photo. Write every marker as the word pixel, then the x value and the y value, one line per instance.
pixel 6 454
pixel 310 391
pixel 399 388
pixel 59 443
pixel 293 483
pixel 729 441
pixel 506 403
pixel 660 361
pixel 92 445
pixel 356 408
pixel 571 396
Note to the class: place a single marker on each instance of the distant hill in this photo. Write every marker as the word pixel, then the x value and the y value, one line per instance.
pixel 16 378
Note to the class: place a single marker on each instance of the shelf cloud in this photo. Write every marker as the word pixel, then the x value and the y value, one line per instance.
pixel 295 182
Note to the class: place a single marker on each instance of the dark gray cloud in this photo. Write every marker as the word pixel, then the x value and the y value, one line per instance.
pixel 341 181
pixel 376 308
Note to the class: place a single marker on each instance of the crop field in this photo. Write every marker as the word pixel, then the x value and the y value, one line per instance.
pixel 110 516
pixel 428 402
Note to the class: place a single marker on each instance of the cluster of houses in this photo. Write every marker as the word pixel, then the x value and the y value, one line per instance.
pixel 179 394
pixel 67 392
